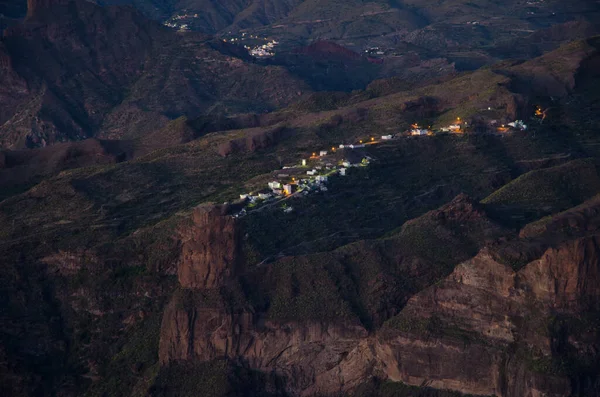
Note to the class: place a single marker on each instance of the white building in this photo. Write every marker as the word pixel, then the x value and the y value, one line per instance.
pixel 321 178
pixel 342 171
pixel 386 137
pixel 518 124
pixel 418 131
pixel 288 189
pixel 323 153
pixel 304 162
pixel 342 146
pixel 312 172
pixel 274 185
pixel 346 164
pixel 243 196
pixel 264 196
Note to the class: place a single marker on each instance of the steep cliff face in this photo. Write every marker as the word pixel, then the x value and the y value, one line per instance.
pixel 211 249
pixel 496 323
pixel 486 329
pixel 312 357
pixel 208 318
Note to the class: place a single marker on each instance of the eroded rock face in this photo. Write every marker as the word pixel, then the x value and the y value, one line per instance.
pixel 313 357
pixel 211 248
pixel 463 334
pixel 567 278
pixel 486 329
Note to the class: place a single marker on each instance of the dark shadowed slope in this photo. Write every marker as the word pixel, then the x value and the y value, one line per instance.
pixel 77 70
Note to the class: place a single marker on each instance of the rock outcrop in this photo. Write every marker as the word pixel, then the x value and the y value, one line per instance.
pixel 486 329
pixel 313 357
pixel 211 248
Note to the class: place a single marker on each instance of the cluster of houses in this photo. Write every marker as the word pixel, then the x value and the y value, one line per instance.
pixel 265 48
pixel 302 180
pixel 375 51
pixel 459 127
pixel 180 21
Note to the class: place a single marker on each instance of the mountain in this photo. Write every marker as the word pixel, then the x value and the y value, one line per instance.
pixel 120 276
pixel 465 32
pixel 459 262
pixel 66 85
pixel 70 80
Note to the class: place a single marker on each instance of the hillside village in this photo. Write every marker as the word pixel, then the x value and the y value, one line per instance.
pixel 310 176
pixel 314 172
pixel 259 47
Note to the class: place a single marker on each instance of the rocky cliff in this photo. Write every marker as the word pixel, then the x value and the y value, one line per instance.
pixel 211 249
pixel 486 329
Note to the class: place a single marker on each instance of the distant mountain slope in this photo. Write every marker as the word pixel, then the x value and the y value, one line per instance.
pixel 214 15
pixel 445 25
pixel 77 70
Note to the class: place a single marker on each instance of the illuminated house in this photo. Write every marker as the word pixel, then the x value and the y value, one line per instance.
pixel 518 124
pixel 288 189
pixel 419 131
pixel 452 128
pixel 274 185
pixel 386 137
pixel 323 153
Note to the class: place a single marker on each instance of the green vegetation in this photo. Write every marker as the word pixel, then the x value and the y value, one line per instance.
pixel 135 365
pixel 550 190
pixel 305 290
